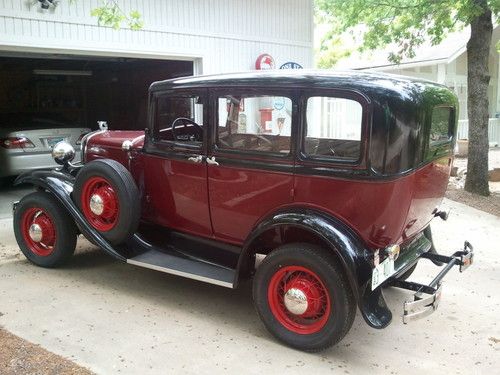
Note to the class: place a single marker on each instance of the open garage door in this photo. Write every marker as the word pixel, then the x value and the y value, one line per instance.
pixel 48 99
pixel 82 90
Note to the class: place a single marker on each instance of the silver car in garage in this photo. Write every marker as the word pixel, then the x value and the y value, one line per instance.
pixel 26 141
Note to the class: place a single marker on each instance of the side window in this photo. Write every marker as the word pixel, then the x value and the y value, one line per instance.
pixel 254 123
pixel 333 128
pixel 440 125
pixel 179 119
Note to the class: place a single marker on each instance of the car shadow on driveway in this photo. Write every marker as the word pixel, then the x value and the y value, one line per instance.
pixel 221 306
pixel 90 268
pixel 111 309
pixel 94 267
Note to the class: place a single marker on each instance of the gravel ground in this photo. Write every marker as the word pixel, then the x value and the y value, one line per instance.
pixel 18 356
pixel 457 193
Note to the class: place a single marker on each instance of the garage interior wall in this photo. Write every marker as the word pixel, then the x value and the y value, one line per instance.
pixel 225 35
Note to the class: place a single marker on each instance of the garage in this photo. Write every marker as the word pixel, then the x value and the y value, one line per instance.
pixel 45 99
pixel 81 90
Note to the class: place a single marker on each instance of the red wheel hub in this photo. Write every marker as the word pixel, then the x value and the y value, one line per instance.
pixel 39 232
pixel 100 204
pixel 299 300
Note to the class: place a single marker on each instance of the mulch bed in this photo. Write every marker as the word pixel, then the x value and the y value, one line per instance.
pixel 18 356
pixel 489 204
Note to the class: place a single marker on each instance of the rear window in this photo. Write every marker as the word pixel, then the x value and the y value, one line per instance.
pixel 441 130
pixel 333 129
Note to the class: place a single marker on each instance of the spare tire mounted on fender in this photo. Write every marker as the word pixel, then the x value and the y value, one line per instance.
pixel 108 197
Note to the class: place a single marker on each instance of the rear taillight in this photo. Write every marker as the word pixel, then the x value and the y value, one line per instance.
pixel 79 140
pixel 16 142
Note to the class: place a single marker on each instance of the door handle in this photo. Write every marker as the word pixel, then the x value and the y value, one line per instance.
pixel 211 161
pixel 196 159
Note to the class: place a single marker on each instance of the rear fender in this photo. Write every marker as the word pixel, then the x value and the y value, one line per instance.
pixel 59 182
pixel 357 261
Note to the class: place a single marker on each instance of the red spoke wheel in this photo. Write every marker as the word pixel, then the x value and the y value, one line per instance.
pixel 39 231
pixel 108 197
pixel 44 230
pixel 299 300
pixel 100 203
pixel 303 297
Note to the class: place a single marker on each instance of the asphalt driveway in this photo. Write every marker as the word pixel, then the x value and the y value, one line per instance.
pixel 116 318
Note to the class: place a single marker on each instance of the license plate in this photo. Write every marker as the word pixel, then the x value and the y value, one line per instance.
pixel 382 272
pixel 54 141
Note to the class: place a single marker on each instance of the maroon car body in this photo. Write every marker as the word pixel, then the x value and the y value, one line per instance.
pixel 233 166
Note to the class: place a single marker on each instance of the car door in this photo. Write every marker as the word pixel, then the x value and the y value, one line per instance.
pixel 250 163
pixel 175 169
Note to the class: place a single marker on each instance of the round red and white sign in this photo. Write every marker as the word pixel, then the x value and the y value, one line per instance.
pixel 264 62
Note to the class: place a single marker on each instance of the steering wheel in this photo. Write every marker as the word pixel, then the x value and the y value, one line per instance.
pixel 196 136
pixel 262 138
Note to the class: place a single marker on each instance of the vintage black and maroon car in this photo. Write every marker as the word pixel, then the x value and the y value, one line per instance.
pixel 319 186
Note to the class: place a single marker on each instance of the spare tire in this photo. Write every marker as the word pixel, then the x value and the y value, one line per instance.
pixel 108 197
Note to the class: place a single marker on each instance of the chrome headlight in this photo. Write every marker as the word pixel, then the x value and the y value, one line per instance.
pixel 63 153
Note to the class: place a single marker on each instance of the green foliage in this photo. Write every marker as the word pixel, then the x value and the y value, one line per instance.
pixel 332 50
pixel 110 14
pixel 405 24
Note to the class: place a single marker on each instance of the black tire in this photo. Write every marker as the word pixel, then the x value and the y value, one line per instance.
pixel 324 265
pixel 408 273
pixel 127 195
pixel 62 224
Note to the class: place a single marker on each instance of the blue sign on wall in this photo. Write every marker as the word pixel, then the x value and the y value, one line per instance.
pixel 291 65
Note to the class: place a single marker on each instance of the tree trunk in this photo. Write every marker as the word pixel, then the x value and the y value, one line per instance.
pixel 478 78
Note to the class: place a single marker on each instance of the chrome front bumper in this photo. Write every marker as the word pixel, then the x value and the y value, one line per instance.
pixel 427 297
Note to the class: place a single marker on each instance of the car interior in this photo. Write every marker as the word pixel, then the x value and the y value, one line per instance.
pixel 260 124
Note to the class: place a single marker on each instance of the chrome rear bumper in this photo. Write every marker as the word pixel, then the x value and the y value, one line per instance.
pixel 420 307
pixel 427 297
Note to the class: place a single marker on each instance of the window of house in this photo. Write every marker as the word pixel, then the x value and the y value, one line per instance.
pixel 333 128
pixel 254 123
pixel 179 119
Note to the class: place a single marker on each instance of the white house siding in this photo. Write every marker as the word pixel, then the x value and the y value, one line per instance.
pixel 493 130
pixel 454 75
pixel 220 35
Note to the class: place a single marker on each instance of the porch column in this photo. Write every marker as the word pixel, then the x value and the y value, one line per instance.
pixel 441 73
pixel 497 107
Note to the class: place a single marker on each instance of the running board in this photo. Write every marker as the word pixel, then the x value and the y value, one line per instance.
pixel 185 267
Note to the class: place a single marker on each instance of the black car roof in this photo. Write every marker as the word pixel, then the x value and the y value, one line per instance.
pixel 365 82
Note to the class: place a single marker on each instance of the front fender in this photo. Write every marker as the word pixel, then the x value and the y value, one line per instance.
pixel 59 182
pixel 357 261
